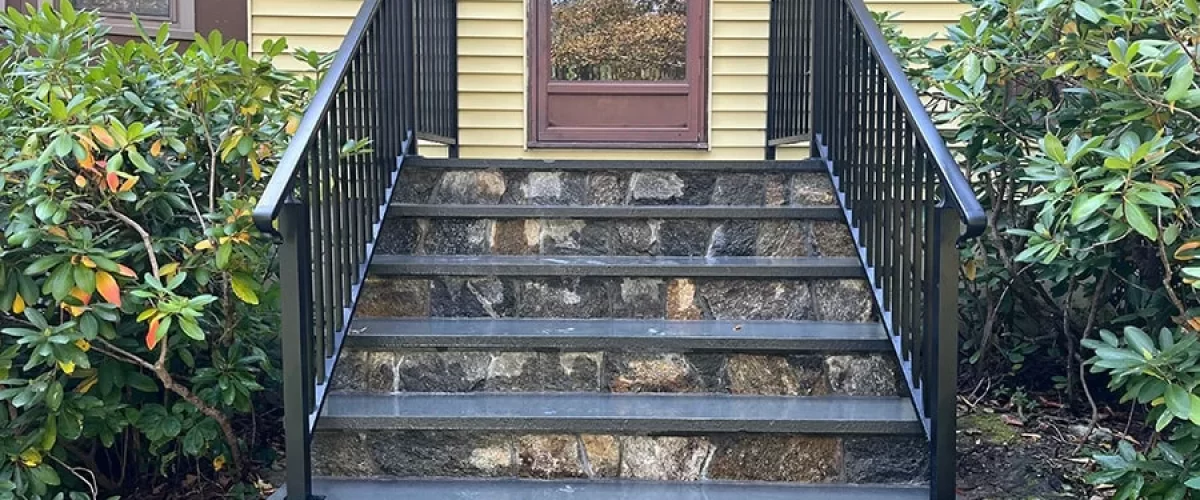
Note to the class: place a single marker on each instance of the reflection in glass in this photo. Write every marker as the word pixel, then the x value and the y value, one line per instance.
pixel 642 40
pixel 157 8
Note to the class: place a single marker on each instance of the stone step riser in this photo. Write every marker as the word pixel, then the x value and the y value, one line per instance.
pixel 799 458
pixel 670 237
pixel 551 187
pixel 617 297
pixel 812 374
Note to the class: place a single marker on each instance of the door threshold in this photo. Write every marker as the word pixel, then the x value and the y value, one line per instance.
pixel 690 146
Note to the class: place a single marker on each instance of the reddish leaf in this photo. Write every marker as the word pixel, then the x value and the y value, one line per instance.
pixel 113 181
pixel 102 135
pixel 107 286
pixel 125 271
pixel 152 334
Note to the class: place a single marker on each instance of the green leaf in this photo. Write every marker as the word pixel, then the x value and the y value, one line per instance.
pixel 46 474
pixel 1193 483
pixel 1087 206
pixel 141 382
pixel 1140 341
pixel 1054 148
pixel 139 161
pixel 43 264
pixel 1179 401
pixel 1140 222
pixel 54 396
pixel 85 279
pixel 243 287
pixel 60 283
pixel 190 328
pixel 1181 82
pixel 1087 11
pixel 224 251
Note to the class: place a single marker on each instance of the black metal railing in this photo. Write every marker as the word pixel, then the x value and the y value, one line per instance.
pixel 789 82
pixel 327 200
pixel 906 200
pixel 436 46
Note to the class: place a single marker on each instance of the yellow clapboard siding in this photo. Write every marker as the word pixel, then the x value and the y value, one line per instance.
pixel 739 66
pixel 491 119
pixel 305 8
pixel 470 82
pixel 321 44
pixel 483 65
pixel 723 11
pixel 737 139
pixel 738 47
pixel 493 65
pixel 743 120
pixel 490 28
pixel 274 26
pixel 752 30
pixel 483 101
pixel 497 47
pixel 739 102
pixel 491 10
pixel 739 84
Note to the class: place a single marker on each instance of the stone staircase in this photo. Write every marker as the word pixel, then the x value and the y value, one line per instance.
pixel 617 330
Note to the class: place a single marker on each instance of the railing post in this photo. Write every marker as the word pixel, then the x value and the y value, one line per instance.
pixel 817 64
pixel 453 52
pixel 774 30
pixel 295 348
pixel 408 55
pixel 944 365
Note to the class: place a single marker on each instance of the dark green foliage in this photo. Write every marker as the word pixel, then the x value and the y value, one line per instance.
pixel 137 298
pixel 1078 122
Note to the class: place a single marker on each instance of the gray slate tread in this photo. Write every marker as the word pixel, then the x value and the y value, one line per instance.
pixel 718 212
pixel 620 413
pixel 727 166
pixel 528 489
pixel 642 266
pixel 616 334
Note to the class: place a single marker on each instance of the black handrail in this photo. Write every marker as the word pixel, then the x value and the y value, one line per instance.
pixel 329 196
pixel 905 198
pixel 971 212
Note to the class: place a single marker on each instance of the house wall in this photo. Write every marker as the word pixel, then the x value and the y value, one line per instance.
pixel 493 67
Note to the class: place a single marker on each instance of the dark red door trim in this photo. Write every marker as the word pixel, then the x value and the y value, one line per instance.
pixel 659 114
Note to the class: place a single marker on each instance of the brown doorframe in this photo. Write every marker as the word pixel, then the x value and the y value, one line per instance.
pixel 639 114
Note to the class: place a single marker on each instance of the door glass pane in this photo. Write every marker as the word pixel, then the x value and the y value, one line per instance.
pixel 156 8
pixel 642 40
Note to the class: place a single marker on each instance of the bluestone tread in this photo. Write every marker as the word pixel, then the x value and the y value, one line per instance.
pixel 621 413
pixel 640 266
pixel 617 334
pixel 529 489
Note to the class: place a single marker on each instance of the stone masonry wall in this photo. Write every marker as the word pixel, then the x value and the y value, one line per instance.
pixel 816 374
pixel 800 458
pixel 521 187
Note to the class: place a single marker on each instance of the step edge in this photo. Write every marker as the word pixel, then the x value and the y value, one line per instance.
pixel 615 212
pixel 575 265
pixel 906 424
pixel 731 166
pixel 749 486
pixel 384 333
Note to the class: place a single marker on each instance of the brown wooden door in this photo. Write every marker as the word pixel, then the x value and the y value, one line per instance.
pixel 618 73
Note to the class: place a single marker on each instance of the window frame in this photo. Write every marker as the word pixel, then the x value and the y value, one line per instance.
pixel 182 22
